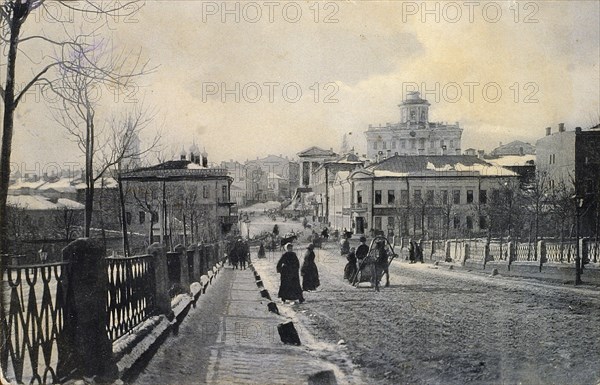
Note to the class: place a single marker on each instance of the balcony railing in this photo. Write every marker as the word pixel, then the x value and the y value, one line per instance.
pixel 359 206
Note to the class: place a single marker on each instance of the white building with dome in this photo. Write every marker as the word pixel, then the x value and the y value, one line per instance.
pixel 414 134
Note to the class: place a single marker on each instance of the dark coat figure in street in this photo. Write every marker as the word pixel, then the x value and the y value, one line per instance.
pixel 382 264
pixel 412 252
pixel 350 269
pixel 276 230
pixel 243 254
pixel 363 250
pixel 419 252
pixel 261 251
pixel 289 266
pixel 309 271
pixel 325 233
pixel 234 258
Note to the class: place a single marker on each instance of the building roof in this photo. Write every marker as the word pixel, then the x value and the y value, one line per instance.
pixel 513 160
pixel 175 170
pixel 434 165
pixel 316 151
pixel 38 202
pixel 516 147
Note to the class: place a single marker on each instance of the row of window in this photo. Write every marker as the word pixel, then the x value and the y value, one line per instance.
pixel 430 196
pixel 205 192
pixel 431 222
pixel 141 217
pixel 412 143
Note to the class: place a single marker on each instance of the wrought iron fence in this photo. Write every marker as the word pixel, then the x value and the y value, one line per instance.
pixel 131 288
pixel 34 307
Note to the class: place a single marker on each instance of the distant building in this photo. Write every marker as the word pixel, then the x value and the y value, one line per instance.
pixel 425 196
pixel 414 134
pixel 323 178
pixel 37 223
pixel 270 178
pixel 524 165
pixel 311 159
pixel 515 147
pixel 180 201
pixel 571 161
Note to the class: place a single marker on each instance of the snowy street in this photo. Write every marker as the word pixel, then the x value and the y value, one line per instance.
pixel 441 326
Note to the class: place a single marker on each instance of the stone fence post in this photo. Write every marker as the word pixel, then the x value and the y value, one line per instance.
pixel 584 250
pixel 512 253
pixel 84 347
pixel 161 277
pixel 184 277
pixel 447 251
pixel 466 255
pixel 196 270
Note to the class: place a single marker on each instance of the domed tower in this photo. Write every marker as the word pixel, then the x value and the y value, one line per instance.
pixel 194 154
pixel 414 110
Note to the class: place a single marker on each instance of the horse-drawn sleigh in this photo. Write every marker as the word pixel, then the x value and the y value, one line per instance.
pixel 372 268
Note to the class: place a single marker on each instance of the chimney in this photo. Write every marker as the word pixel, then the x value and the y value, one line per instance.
pixel 578 130
pixel 561 127
pixel 548 131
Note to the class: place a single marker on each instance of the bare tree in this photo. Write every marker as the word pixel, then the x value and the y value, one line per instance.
pixel 108 146
pixel 14 15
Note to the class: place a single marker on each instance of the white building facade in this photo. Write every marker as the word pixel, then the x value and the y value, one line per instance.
pixel 414 134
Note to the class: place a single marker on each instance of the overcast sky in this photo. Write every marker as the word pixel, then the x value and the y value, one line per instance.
pixel 542 56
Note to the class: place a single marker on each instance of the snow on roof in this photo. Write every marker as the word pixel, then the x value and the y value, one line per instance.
pixel 38 202
pixel 482 169
pixel 513 160
pixel 26 184
pixel 385 173
pixel 61 185
pixel 70 204
pixel 108 183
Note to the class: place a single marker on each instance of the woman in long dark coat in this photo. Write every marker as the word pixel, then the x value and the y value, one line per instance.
pixel 261 251
pixel 309 271
pixel 289 266
pixel 350 269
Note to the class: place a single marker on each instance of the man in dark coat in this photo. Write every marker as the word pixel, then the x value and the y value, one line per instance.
pixel 243 254
pixel 309 271
pixel 234 258
pixel 288 266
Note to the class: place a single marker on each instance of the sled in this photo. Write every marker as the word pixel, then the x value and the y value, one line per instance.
pixel 372 267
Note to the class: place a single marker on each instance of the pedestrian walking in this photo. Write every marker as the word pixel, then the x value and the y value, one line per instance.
pixel 234 254
pixel 243 254
pixel 309 270
pixel 325 233
pixel 363 250
pixel 261 251
pixel 350 269
pixel 288 267
pixel 412 251
pixel 419 251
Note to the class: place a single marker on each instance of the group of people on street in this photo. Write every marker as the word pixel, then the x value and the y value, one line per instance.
pixel 239 254
pixel 289 268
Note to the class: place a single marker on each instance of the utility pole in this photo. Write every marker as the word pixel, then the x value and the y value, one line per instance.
pixel 578 201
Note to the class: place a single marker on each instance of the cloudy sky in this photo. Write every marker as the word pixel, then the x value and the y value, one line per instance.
pixel 255 78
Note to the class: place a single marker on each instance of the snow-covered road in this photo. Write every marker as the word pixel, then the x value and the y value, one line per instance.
pixel 441 326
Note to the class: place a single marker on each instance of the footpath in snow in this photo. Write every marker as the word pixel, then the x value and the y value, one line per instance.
pixel 232 338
